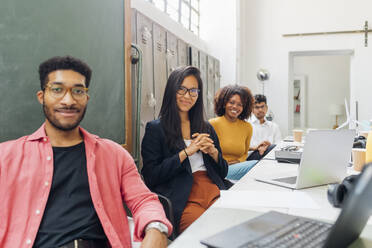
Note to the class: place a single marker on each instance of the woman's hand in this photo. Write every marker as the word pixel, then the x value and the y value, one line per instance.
pixel 206 145
pixel 196 143
pixel 233 162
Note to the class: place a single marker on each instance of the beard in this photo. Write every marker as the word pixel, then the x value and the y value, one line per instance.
pixel 260 115
pixel 57 124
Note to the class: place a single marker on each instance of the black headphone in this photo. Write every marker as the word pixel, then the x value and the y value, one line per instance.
pixel 360 142
pixel 337 193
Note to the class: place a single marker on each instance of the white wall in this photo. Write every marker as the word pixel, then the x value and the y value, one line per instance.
pixel 327 83
pixel 217 31
pixel 262 24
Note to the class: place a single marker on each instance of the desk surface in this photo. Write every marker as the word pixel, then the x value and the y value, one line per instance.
pixel 216 219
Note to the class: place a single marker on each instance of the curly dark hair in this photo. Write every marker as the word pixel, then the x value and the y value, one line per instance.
pixel 63 63
pixel 223 96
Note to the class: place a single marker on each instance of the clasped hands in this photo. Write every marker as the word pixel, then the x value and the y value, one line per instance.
pixel 262 147
pixel 202 142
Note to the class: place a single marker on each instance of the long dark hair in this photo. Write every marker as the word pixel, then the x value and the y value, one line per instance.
pixel 169 113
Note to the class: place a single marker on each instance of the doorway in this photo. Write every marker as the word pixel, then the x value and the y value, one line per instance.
pixel 319 83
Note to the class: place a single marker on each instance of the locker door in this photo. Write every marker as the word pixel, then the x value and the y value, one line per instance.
pixel 171 53
pixel 194 56
pixel 203 75
pixel 210 79
pixel 182 53
pixel 217 83
pixel 134 68
pixel 160 65
pixel 133 27
pixel 144 38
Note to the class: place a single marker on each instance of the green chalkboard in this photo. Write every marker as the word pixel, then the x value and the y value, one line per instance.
pixel 32 31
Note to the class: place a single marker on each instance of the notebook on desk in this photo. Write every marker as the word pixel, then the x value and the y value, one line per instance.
pixel 324 160
pixel 274 229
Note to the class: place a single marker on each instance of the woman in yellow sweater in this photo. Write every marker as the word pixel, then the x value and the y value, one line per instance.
pixel 233 104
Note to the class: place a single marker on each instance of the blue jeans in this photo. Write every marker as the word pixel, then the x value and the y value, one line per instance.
pixel 238 170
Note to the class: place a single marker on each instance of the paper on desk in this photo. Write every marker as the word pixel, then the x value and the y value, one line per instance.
pixel 274 199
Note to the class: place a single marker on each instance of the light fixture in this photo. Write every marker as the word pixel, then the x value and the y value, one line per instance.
pixel 263 75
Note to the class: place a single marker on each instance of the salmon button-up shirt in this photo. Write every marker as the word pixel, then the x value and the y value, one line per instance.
pixel 26 171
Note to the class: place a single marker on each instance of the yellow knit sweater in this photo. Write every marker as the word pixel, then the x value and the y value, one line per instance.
pixel 234 137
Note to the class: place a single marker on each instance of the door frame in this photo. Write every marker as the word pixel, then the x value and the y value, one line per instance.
pixel 291 76
pixel 128 145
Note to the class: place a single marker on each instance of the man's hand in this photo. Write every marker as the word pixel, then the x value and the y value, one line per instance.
pixel 265 143
pixel 263 147
pixel 154 239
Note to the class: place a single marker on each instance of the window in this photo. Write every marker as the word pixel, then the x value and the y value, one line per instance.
pixel 185 12
pixel 160 4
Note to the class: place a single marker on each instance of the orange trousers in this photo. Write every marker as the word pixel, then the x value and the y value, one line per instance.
pixel 203 194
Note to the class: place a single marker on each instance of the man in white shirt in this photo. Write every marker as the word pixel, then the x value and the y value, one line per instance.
pixel 265 133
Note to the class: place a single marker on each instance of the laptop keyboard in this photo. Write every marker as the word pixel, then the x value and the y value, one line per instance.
pixel 290 180
pixel 300 233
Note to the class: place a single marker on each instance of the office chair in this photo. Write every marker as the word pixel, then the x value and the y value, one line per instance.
pixel 168 209
pixel 228 183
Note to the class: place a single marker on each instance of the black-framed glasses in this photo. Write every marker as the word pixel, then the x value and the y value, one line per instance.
pixel 59 91
pixel 192 92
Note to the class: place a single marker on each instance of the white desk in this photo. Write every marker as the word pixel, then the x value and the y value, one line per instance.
pixel 216 219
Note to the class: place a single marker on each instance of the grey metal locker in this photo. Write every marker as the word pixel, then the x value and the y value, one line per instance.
pixel 182 53
pixel 217 75
pixel 171 53
pixel 144 41
pixel 160 65
pixel 211 90
pixel 203 75
pixel 133 27
pixel 194 56
pixel 134 81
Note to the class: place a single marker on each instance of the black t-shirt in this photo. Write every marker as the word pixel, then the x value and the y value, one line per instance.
pixel 69 213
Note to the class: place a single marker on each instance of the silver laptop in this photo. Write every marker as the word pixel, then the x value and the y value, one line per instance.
pixel 324 160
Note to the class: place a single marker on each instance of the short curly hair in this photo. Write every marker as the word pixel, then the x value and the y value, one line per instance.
pixel 63 63
pixel 223 96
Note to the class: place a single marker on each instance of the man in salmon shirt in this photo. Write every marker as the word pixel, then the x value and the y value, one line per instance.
pixel 64 187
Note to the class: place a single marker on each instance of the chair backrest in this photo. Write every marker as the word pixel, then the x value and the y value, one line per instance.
pixel 228 184
pixel 168 209
pixel 127 210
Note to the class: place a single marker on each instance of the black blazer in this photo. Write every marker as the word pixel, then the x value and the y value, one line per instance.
pixel 165 174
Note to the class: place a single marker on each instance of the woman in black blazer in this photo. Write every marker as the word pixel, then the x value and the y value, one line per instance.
pixel 181 154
